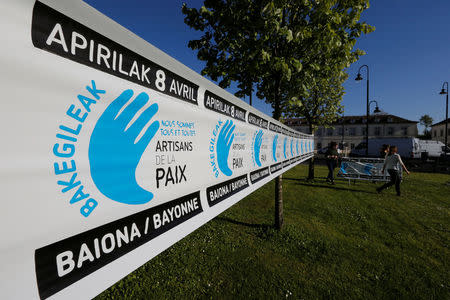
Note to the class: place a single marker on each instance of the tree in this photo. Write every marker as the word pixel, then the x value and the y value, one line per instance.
pixel 319 91
pixel 252 39
pixel 227 45
pixel 426 121
pixel 321 108
pixel 279 45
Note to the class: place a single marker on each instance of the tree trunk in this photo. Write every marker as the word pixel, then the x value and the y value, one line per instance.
pixel 278 180
pixel 311 169
pixel 279 220
pixel 311 161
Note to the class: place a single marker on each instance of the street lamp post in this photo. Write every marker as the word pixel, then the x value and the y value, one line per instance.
pixel 377 108
pixel 358 78
pixel 444 92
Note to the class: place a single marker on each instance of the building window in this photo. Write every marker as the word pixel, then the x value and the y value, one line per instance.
pixel 363 130
pixel 390 131
pixel 377 131
pixel 352 131
pixel 390 120
pixel 405 130
pixel 340 131
pixel 330 131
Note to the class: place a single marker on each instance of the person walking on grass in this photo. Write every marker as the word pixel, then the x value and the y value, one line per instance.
pixel 394 165
pixel 332 156
pixel 384 150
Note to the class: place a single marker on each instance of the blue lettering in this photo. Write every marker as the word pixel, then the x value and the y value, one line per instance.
pixel 76 114
pixel 88 207
pixel 69 184
pixel 94 91
pixel 70 130
pixel 86 102
pixel 69 150
pixel 79 195
pixel 65 168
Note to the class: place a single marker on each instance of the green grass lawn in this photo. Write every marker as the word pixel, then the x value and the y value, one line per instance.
pixel 339 242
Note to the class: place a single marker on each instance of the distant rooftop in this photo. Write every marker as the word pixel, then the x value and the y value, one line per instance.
pixel 440 123
pixel 381 117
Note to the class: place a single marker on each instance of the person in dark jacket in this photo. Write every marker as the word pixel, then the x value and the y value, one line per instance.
pixel 384 150
pixel 331 156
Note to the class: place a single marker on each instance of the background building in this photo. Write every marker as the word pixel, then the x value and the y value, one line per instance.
pixel 351 130
pixel 437 131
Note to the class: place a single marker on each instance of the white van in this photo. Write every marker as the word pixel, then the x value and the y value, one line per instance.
pixel 432 149
pixel 408 147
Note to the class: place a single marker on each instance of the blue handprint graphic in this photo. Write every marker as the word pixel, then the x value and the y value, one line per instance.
pixel 257 147
pixel 301 147
pixel 368 169
pixel 114 152
pixel 292 147
pixel 296 146
pixel 224 141
pixel 274 148
pixel 284 147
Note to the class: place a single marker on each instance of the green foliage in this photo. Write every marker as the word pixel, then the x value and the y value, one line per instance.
pixel 426 121
pixel 321 105
pixel 227 43
pixel 286 47
pixel 339 242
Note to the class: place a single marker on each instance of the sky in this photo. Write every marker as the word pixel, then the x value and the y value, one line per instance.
pixel 408 54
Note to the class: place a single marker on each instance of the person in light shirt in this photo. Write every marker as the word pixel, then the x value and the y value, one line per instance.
pixel 394 165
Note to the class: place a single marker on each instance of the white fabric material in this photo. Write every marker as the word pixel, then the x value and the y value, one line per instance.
pixel 393 162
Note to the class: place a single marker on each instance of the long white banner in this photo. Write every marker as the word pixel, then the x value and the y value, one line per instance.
pixel 113 151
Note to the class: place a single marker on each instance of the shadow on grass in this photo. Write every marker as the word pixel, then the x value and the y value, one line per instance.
pixel 250 225
pixel 307 182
